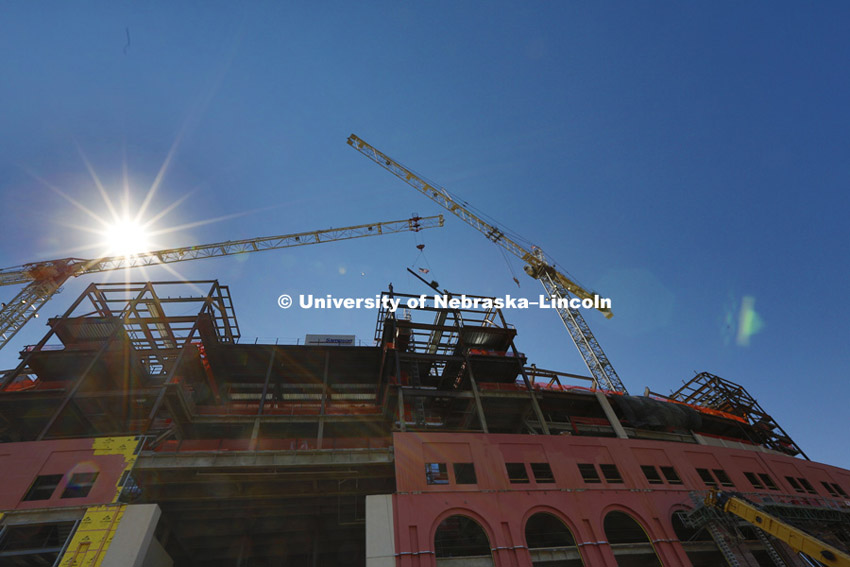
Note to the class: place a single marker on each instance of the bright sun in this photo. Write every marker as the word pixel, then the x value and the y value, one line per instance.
pixel 126 237
pixel 124 229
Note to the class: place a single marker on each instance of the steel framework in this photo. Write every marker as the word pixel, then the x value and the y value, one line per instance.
pixel 713 392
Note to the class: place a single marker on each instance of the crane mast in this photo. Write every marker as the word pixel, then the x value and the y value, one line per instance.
pixel 44 279
pixel 558 286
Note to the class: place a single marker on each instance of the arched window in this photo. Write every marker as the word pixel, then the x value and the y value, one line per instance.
pixel 629 542
pixel 698 544
pixel 461 537
pixel 550 542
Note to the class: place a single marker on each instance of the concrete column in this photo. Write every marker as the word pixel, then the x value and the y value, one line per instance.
pixel 134 544
pixel 380 531
pixel 609 413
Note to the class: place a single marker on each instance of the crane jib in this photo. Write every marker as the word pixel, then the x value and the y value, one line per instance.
pixel 557 285
pixel 45 279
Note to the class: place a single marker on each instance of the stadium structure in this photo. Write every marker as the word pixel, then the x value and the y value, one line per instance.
pixel 140 431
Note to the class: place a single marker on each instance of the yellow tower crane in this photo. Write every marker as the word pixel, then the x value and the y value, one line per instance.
pixel 559 288
pixel 44 279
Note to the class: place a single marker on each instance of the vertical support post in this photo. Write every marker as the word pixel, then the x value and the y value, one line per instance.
pixel 474 386
pixel 531 393
pixel 321 432
pixel 609 413
pixel 401 420
pixel 266 383
pixel 67 541
pixel 478 405
pixel 255 434
pixel 379 387
pixel 315 560
pixel 402 425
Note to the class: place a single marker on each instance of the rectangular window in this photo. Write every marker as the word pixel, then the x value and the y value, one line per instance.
pixel 542 473
pixel 707 478
pixel 33 544
pixel 80 485
pixel 754 480
pixel 829 488
pixel 436 473
pixel 807 486
pixel 517 473
pixel 611 474
pixel 723 478
pixel 465 473
pixel 839 490
pixel 651 474
pixel 588 473
pixel 43 487
pixel 768 481
pixel 794 484
pixel 671 475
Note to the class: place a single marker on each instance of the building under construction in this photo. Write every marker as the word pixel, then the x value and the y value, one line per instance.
pixel 140 431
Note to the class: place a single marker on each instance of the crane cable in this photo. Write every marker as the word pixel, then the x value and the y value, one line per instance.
pixel 420 245
pixel 507 231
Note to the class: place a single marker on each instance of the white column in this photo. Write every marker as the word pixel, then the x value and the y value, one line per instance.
pixel 380 531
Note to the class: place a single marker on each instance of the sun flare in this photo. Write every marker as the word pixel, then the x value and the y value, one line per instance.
pixel 126 237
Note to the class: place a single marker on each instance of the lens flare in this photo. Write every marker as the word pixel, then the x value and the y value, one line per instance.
pixel 126 237
pixel 749 322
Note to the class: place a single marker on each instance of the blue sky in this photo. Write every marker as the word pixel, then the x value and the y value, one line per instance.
pixel 678 158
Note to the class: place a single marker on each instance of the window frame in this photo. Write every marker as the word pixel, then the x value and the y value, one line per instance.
pixel 707 478
pixel 83 486
pixel 441 478
pixel 768 481
pixel 753 479
pixel 517 467
pixel 461 477
pixel 794 484
pixel 652 475
pixel 546 475
pixel 723 478
pixel 589 474
pixel 615 477
pixel 807 486
pixel 670 474
pixel 40 483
